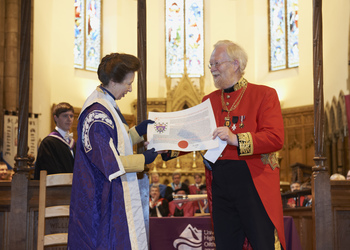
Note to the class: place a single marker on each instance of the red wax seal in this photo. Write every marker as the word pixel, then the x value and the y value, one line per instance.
pixel 183 144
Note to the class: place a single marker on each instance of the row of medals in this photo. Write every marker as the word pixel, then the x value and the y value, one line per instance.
pixel 235 119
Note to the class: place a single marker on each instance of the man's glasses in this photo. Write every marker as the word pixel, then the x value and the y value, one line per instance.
pixel 216 64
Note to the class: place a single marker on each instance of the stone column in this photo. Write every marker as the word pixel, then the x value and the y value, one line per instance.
pixel 11 55
pixel 2 63
pixel 321 190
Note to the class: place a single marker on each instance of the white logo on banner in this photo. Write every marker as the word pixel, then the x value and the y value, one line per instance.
pixel 189 239
pixel 194 239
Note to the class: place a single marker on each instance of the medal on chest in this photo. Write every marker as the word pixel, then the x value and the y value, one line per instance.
pixel 231 123
pixel 242 117
pixel 227 120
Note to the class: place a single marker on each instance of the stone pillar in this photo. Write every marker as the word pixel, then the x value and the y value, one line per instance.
pixel 11 55
pixel 321 190
pixel 2 63
pixel 142 102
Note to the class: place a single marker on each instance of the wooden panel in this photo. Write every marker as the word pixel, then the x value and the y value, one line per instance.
pixel 298 142
pixel 341 228
pixel 340 191
pixel 303 222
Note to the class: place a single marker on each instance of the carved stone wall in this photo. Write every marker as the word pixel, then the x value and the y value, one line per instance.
pixel 10 20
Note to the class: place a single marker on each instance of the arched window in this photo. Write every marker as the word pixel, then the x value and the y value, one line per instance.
pixel 284 46
pixel 87 34
pixel 184 37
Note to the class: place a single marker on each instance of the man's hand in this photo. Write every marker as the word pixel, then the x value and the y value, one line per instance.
pixel 225 134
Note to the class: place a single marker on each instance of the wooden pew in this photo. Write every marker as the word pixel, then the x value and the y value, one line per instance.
pixel 340 196
pixel 340 203
pixel 54 225
pixel 302 217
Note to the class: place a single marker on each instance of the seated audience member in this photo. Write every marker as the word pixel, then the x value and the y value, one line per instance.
pixel 348 176
pixel 56 152
pixel 184 209
pixel 194 188
pixel 308 198
pixel 294 186
pixel 158 207
pixel 202 205
pixel 176 184
pixel 294 202
pixel 11 173
pixel 337 177
pixel 155 181
pixel 4 172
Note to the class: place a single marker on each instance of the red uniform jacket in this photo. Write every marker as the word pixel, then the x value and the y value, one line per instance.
pixel 262 134
pixel 194 189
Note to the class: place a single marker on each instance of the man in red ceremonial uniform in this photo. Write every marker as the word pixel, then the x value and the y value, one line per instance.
pixel 243 184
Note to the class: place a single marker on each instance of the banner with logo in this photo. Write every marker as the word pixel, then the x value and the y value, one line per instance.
pixel 195 233
pixel 190 233
pixel 10 138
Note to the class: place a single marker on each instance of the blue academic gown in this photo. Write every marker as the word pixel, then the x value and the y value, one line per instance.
pixel 105 209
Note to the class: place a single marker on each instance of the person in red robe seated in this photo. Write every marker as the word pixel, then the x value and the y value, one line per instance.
pixel 202 205
pixel 195 188
pixel 183 209
pixel 295 201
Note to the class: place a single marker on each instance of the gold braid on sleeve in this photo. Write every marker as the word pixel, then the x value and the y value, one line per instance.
pixel 245 144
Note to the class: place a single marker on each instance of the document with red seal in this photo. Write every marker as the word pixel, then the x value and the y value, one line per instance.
pixel 186 130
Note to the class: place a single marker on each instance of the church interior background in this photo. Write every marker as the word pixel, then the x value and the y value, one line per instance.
pixel 54 77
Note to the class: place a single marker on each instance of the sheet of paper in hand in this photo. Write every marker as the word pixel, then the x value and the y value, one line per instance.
pixel 186 130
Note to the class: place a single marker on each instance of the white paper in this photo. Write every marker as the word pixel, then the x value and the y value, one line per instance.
pixel 186 130
pixel 213 154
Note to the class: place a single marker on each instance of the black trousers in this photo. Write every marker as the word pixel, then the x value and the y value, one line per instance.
pixel 237 209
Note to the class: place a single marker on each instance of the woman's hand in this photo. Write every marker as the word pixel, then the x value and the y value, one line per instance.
pixel 159 152
pixel 225 134
pixel 141 129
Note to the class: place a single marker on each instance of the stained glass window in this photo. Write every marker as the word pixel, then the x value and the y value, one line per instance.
pixel 184 37
pixel 79 34
pixel 293 33
pixel 284 34
pixel 87 42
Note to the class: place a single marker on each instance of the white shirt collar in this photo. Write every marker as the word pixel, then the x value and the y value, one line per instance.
pixel 61 131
